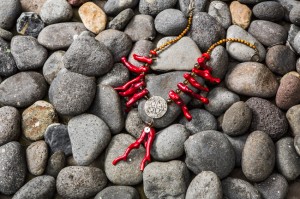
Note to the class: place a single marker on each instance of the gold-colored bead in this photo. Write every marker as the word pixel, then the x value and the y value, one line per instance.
pixel 178 91
pixel 185 82
pixel 193 74
pixel 169 101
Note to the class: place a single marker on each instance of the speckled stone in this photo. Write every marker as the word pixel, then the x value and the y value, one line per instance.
pixel 118 192
pixel 294 15
pixel 56 163
pixel 269 10
pixel 199 6
pixel 30 24
pixel 241 14
pixel 113 7
pixel 53 65
pixel 218 62
pixel 118 76
pixel 134 125
pixel 10 128
pixel 220 11
pixel 121 20
pixel 37 156
pixel 5 34
pixel 8 65
pixel 56 11
pixel 32 5
pixel 9 11
pixel 238 143
pixel 293 115
pixel 155 6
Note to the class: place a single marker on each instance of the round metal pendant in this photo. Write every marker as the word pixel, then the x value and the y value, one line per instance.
pixel 156 107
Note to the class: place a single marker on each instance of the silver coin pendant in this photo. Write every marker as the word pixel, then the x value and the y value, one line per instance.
pixel 156 107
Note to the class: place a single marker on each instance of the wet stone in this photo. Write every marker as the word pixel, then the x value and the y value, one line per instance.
pixel 220 11
pixel 118 76
pixel 156 6
pixel 269 10
pixel 10 127
pixel 113 7
pixel 37 156
pixel 56 11
pixel 8 66
pixel 30 24
pixel 56 163
pixel 53 65
pixel 118 192
pixel 293 115
pixel 121 20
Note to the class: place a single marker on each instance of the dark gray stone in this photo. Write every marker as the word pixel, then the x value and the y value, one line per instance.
pixel 251 1
pixel 53 65
pixel 118 192
pixel 202 121
pixel 57 137
pixel 295 15
pixel 118 76
pixel 209 151
pixel 199 6
pixel 107 106
pixel 142 48
pixel 287 158
pixel 121 20
pixel 169 143
pixel 22 89
pixel 13 168
pixel 288 5
pixel 8 66
pixel 69 98
pixel 10 124
pixel 80 182
pixel 134 125
pixel 156 6
pixel 220 11
pixel 113 7
pixel 89 136
pixel 5 34
pixel 30 24
pixel 269 10
pixel 56 163
pixel 38 187
pixel 9 11
pixel 117 42
pixel 170 22
pixel 158 182
pixel 28 53
pixel 267 117
pixel 238 144
pixel 268 33
pixel 205 185
pixel 55 11
pixel 218 62
pixel 60 36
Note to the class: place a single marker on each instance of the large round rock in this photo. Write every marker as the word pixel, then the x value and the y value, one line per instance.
pixel 10 127
pixel 71 98
pixel 269 10
pixel 55 11
pixel 209 151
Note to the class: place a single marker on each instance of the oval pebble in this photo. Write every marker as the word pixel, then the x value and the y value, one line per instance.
pixel 218 62
pixel 56 11
pixel 37 156
pixel 8 65
pixel 269 10
pixel 117 76
pixel 121 20
pixel 30 24
pixel 113 7
pixel 241 14
pixel 9 11
pixel 10 128
pixel 220 11
pixel 53 65
pixel 118 192
pixel 56 163
pixel 294 15
pixel 155 6
pixel 134 125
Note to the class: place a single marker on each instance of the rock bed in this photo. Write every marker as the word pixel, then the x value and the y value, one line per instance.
pixel 62 123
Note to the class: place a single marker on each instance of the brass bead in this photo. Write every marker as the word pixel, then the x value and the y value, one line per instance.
pixel 193 74
pixel 169 101
pixel 185 82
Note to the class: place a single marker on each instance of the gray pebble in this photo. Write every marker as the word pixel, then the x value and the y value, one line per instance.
pixel 5 34
pixel 28 53
pixel 170 22
pixel 295 15
pixel 113 7
pixel 274 187
pixel 268 33
pixel 118 192
pixel 205 30
pixel 134 125
pixel 297 143
pixel 57 137
pixel 88 56
pixel 209 151
pixel 158 183
pixel 10 124
pixel 199 6
pixel 38 187
pixel 218 62
pixel 155 6
pixel 13 168
pixel 287 158
pixel 288 5
pixel 298 66
pixel 80 182
pixel 142 48
pixel 56 163
pixel 237 119
pixel 69 98
pixel 131 168
pixel 121 20
pixel 296 42
pixel 202 121
pixel 238 144
pixel 37 156
pixel 220 99
pixel 204 186
pixel 252 79
pixel 241 52
pixel 107 106
pixel 220 11
pixel 269 10
pixel 30 24
pixel 141 27
pixel 60 36
pixel 53 65
pixel 118 76
pixel 89 136
pixel 169 143
pixel 55 11
pixel 236 189
pixel 251 1
pixel 8 66
pixel 9 11
pixel 22 89
pixel 293 31
pixel 117 42
pixel 267 117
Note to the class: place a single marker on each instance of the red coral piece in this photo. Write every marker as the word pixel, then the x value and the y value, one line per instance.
pixel 128 84
pixel 206 75
pixel 133 68
pixel 143 59
pixel 133 89
pixel 136 97
pixel 191 93
pixel 194 82
pixel 176 98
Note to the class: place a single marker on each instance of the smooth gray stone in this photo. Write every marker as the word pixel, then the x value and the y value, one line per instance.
pixel 202 121
pixel 298 66
pixel 142 48
pixel 293 31
pixel 274 187
pixel 267 117
pixel 296 42
pixel 236 189
pixel 53 65
pixel 269 10
pixel 251 1
pixel 220 11
pixel 134 125
pixel 118 76
pixel 30 24
pixel 218 62
pixel 297 143
pixel 28 53
pixel 113 7
pixel 240 51
pixel 170 22
pixel 56 163
pixel 89 136
pixel 141 27
pixel 155 6
pixel 60 36
pixel 206 185
pixel 107 106
pixel 22 89
pixel 121 20
pixel 118 192
pixel 294 15
pixel 288 5
pixel 56 11
pixel 117 42
pixel 36 157
pixel 169 143
pixel 5 34
pixel 287 158
pixel 209 151
pixel 238 144
pixel 158 182
pixel 38 187
pixel 199 6
pixel 13 168
pixel 9 11
pixel 10 124
pixel 92 180
pixel 8 65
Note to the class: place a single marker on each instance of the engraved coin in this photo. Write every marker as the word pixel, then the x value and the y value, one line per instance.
pixel 156 107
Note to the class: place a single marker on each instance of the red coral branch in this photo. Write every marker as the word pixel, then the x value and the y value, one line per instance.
pixel 191 93
pixel 128 84
pixel 194 82
pixel 143 59
pixel 136 97
pixel 206 75
pixel 133 89
pixel 176 98
pixel 133 68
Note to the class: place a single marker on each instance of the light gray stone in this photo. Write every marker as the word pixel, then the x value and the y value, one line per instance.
pixel 199 6
pixel 218 62
pixel 142 48
pixel 220 11
pixel 5 34
pixel 297 143
pixel 53 65
pixel 155 6
pixel 118 76
pixel 118 192
pixel 134 125
pixel 113 7
pixel 37 156
pixel 294 15
pixel 10 124
pixel 55 11
pixel 9 11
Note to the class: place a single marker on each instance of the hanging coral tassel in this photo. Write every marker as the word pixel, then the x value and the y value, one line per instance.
pixel 206 75
pixel 133 68
pixel 143 59
pixel 136 97
pixel 128 84
pixel 191 93
pixel 194 82
pixel 176 98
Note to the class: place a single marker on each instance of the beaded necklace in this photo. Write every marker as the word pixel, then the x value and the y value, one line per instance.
pixel 156 106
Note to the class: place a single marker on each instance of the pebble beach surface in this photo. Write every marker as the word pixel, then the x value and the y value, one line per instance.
pixel 62 123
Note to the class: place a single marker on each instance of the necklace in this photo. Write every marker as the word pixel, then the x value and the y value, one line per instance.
pixel 156 106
